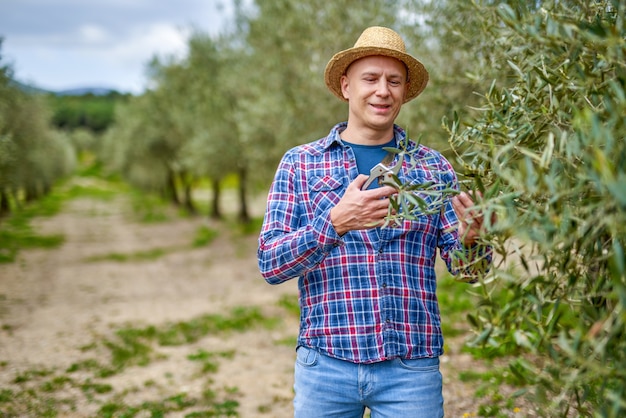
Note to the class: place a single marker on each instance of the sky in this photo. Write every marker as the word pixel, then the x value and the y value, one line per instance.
pixel 64 44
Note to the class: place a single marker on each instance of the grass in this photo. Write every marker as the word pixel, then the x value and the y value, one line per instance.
pixel 290 304
pixel 16 232
pixel 204 236
pixel 149 208
pixel 144 255
pixel 455 302
pixel 208 359
pixel 47 393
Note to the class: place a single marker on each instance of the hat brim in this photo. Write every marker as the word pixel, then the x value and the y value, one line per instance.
pixel 339 63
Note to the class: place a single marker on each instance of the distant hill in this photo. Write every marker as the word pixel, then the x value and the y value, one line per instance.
pixel 79 91
pixel 27 88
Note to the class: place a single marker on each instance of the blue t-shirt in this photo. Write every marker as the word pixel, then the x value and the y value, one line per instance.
pixel 367 156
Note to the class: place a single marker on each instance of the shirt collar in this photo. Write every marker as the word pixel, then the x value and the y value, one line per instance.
pixel 335 138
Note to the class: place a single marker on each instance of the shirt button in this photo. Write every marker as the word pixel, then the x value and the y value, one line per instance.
pixel 388 320
pixel 384 285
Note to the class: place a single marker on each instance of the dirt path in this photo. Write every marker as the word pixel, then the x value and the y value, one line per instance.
pixel 54 303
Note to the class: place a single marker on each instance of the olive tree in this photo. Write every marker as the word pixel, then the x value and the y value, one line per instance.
pixel 32 154
pixel 548 153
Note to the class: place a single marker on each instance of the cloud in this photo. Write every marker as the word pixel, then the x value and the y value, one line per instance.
pixel 71 43
pixel 157 38
pixel 93 34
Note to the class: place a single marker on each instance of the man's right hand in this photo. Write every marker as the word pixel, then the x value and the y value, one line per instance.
pixel 361 209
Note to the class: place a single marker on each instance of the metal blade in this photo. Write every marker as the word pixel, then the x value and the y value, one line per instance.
pixel 379 169
pixel 388 158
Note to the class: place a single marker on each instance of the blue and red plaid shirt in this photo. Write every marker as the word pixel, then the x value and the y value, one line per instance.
pixel 369 295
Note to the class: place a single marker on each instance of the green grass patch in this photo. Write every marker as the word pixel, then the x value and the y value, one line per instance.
pixel 150 408
pixel 146 255
pixel 134 346
pixel 93 190
pixel 204 236
pixel 55 384
pixel 129 351
pixel 6 395
pixel 149 208
pixel 252 227
pixel 208 359
pixel 84 365
pixel 16 232
pixel 29 375
pixel 290 303
pixel 455 302
pixel 90 387
pixel 191 331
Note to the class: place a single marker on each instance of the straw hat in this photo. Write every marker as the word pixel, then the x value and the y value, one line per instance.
pixel 376 40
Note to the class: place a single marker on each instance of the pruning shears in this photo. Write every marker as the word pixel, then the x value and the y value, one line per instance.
pixel 384 173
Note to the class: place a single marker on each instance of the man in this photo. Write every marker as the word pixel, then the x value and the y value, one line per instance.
pixel 370 333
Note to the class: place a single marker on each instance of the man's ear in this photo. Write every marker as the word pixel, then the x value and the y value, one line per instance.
pixel 344 87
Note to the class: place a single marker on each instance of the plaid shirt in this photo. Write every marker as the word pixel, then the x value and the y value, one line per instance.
pixel 369 295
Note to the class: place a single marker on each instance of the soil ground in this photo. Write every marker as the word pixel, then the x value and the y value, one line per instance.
pixel 54 303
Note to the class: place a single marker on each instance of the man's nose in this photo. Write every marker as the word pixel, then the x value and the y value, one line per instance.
pixel 383 87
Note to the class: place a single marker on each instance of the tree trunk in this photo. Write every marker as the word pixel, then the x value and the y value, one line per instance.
pixel 30 193
pixel 244 216
pixel 170 188
pixel 188 198
pixel 5 206
pixel 216 213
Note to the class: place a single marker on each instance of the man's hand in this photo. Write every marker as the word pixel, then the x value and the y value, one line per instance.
pixel 361 209
pixel 471 221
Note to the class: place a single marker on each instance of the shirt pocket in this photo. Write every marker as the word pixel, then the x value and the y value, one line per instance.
pixel 325 192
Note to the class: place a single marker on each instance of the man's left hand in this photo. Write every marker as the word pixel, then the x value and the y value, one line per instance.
pixel 471 220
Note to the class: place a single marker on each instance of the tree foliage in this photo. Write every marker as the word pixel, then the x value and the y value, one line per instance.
pixel 178 131
pixel 32 155
pixel 88 111
pixel 548 151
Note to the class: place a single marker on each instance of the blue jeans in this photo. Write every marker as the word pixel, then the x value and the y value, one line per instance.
pixel 328 387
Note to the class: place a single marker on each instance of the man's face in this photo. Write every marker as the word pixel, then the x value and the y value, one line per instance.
pixel 375 88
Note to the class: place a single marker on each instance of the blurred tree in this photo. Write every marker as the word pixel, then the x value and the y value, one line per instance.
pixel 32 155
pixel 215 149
pixel 181 129
pixel 136 147
pixel 88 111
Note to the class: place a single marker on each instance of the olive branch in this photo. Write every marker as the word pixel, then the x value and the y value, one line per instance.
pixel 416 199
